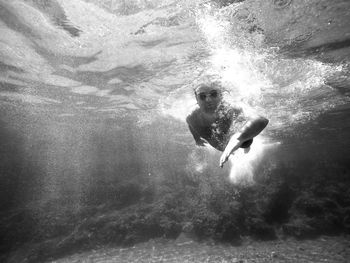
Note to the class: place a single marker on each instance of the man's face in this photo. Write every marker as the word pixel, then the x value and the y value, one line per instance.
pixel 208 97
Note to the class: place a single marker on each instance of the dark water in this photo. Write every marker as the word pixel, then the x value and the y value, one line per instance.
pixel 94 94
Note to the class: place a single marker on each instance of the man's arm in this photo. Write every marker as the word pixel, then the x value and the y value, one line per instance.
pixel 196 136
pixel 252 128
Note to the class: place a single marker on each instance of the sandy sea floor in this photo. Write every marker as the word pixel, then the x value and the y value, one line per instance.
pixel 322 249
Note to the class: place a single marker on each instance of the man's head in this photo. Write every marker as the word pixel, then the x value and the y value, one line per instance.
pixel 208 95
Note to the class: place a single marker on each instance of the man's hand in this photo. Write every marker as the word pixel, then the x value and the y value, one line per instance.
pixel 224 158
pixel 231 147
pixel 201 142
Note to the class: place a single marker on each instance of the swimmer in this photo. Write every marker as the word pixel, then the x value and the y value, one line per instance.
pixel 225 127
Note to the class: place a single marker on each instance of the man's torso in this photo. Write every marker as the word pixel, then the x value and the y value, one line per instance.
pixel 219 131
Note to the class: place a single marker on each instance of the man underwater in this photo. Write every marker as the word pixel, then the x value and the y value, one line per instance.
pixel 225 127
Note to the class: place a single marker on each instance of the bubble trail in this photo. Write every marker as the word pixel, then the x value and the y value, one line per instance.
pixel 243 165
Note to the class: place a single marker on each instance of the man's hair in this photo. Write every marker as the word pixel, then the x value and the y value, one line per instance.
pixel 209 80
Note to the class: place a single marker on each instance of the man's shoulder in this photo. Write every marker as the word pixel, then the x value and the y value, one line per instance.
pixel 193 116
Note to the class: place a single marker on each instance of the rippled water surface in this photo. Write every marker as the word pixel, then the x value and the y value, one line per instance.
pixel 101 59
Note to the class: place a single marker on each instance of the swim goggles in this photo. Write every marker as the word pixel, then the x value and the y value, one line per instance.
pixel 212 94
